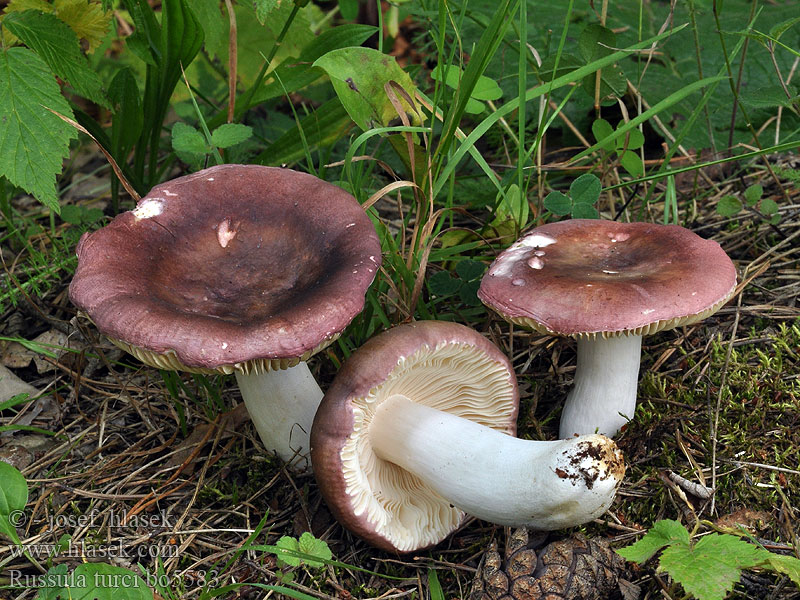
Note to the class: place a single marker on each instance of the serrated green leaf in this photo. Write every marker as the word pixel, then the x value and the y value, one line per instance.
pixel 230 134
pixel 470 270
pixel 308 544
pixel 585 189
pixel 443 284
pixel 264 8
pixel 663 533
pixel 768 206
pixel 785 565
pixel 753 194
pixel 710 568
pixel 87 19
pixel 765 96
pixel 215 26
pixel 187 140
pixel 13 498
pixel 57 44
pixel 33 140
pixel 359 76
pixel 631 162
pixel 601 129
pixel 728 206
pixel 558 204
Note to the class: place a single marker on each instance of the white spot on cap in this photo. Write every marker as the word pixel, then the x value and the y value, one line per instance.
pixel 518 282
pixel 210 179
pixel 147 209
pixel 619 237
pixel 226 232
pixel 505 262
pixel 539 253
pixel 349 225
pixel 536 263
pixel 610 272
pixel 168 193
pixel 647 311
pixel 224 345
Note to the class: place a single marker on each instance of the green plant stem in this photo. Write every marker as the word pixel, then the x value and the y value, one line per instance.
pixel 696 37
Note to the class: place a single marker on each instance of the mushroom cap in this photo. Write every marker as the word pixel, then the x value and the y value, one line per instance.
pixel 444 365
pixel 588 277
pixel 236 267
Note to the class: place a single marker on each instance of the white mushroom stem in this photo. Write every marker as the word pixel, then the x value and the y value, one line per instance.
pixel 603 398
pixel 498 477
pixel 282 404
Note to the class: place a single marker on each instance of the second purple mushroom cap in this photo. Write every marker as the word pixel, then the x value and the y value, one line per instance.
pixel 607 284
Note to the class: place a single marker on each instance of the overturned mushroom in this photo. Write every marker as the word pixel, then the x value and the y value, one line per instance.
pixel 234 269
pixel 607 284
pixel 417 429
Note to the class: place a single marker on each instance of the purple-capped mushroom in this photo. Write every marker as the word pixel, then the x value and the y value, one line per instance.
pixel 237 269
pixel 607 284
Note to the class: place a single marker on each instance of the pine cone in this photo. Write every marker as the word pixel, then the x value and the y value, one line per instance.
pixel 575 568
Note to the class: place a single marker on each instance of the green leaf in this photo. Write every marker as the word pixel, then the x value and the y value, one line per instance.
pixel 585 189
pixel 470 270
pixel 768 206
pixel 127 122
pixel 631 162
pixel 264 8
pixel 442 283
pixel 485 88
pixel 33 141
pixel 215 26
pixel 437 593
pixel 13 498
pixel 187 141
pixel 308 544
pixel 728 206
pixel 57 44
pixel 87 19
pixel 663 533
pixel 584 211
pixel 512 208
pixel 753 194
pixel 596 41
pixel 94 581
pixel 634 142
pixel 778 30
pixel 359 76
pixel 469 293
pixel 602 129
pixel 474 107
pixel 765 96
pixel 230 134
pixel 349 9
pixel 558 204
pixel 711 568
pixel 785 565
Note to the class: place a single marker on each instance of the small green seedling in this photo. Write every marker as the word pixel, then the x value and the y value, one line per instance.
pixel 580 204
pixel 485 89
pixel 729 205
pixel 192 147
pixel 623 144
pixel 710 567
